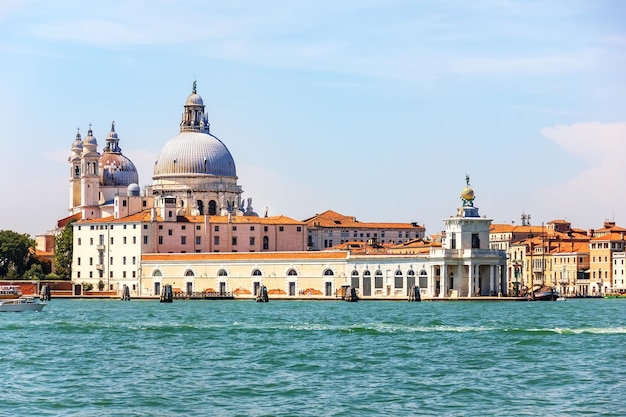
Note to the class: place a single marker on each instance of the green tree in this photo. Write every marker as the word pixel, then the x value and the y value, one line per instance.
pixel 63 251
pixel 16 251
pixel 35 272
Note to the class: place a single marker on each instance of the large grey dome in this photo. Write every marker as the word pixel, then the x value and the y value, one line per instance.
pixel 194 153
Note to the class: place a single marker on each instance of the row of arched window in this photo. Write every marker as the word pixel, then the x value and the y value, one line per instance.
pixel 293 272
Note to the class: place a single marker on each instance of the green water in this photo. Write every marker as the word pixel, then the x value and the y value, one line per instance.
pixel 290 358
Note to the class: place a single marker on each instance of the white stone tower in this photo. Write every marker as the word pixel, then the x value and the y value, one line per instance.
pixel 89 179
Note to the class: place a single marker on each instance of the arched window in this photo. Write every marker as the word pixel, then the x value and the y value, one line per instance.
pixel 367 274
pixel 354 281
pixel 189 273
pixel 256 273
pixel 266 243
pixel 423 279
pixel 292 272
pixel 328 273
pixel 212 208
pixel 222 273
pixel 397 282
pixel 157 273
pixel 378 279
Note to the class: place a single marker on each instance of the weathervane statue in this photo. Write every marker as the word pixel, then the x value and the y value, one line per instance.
pixel 467 195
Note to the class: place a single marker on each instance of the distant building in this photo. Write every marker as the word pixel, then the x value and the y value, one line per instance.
pixel 330 229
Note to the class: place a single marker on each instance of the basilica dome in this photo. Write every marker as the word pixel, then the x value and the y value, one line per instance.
pixel 194 151
pixel 115 168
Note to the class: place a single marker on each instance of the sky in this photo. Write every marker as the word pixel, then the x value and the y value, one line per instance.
pixel 374 109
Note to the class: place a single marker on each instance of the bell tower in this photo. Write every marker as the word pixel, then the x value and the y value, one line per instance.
pixel 75 174
pixel 89 178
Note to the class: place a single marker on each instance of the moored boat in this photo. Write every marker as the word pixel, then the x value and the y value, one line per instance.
pixel 21 304
pixel 8 292
pixel 543 294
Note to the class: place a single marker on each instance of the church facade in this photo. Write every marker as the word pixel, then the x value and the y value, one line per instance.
pixel 191 229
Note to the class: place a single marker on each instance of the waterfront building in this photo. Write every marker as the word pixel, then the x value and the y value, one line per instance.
pixel 462 266
pixel 329 229
pixel 604 244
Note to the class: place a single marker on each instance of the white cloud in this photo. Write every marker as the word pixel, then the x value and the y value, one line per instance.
pixel 597 190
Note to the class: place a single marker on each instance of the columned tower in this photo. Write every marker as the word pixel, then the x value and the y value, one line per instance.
pixel 89 179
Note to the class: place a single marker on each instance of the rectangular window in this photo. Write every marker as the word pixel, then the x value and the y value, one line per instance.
pixel 234 228
pixel 111 240
pixel 183 227
pixel 124 205
pixel 124 260
pixel 160 227
pixel 234 240
pixel 265 229
pixel 145 240
pixel 78 260
pixel 160 240
pixel 475 241
pixel 252 228
pixel 90 261
pixel 252 241
pixel 111 260
pixel 197 227
pixel 134 275
pixel 198 240
pixel 216 228
pixel 134 240
pixel 124 240
pixel 78 274
pixel 145 227
pixel 216 240
pixel 134 260
pixel 123 274
pixel 79 241
pixel 298 228
pixel 91 241
pixel 281 229
pixel 183 240
pixel 169 232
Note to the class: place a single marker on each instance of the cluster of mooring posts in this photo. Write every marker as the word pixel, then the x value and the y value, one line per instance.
pixel 44 293
pixel 414 294
pixel 167 296
pixel 350 295
pixel 261 295
pixel 125 293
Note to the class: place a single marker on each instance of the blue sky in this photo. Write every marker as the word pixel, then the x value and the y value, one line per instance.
pixel 375 109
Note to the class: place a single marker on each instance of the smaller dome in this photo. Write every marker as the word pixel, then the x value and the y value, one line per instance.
pixel 117 170
pixel 194 100
pixel 134 190
pixel 90 138
pixel 77 145
pixel 467 194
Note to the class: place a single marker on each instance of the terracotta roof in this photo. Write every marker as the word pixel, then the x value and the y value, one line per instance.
pixel 144 216
pixel 65 221
pixel 242 256
pixel 611 236
pixel 331 218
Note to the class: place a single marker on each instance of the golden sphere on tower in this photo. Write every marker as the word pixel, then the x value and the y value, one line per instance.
pixel 467 194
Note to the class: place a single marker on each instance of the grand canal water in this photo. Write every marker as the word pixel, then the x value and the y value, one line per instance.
pixel 290 358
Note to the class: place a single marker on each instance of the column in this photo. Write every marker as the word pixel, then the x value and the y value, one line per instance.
pixel 443 281
pixel 470 280
pixel 492 280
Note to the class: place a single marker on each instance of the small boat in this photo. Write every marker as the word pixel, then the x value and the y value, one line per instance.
pixel 9 292
pixel 22 304
pixel 543 294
